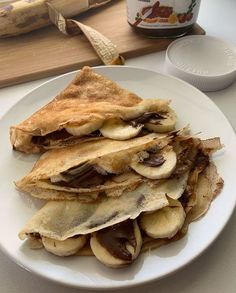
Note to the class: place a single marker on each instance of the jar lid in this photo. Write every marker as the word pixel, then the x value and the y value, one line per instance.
pixel 206 62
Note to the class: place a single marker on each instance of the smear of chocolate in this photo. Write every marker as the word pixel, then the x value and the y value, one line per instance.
pixel 35 235
pixel 184 199
pixel 115 239
pixel 55 135
pixel 151 117
pixel 185 158
pixel 88 179
pixel 59 135
pixel 201 161
pixel 154 160
pixel 183 162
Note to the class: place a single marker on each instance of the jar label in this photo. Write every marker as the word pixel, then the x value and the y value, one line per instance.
pixel 152 14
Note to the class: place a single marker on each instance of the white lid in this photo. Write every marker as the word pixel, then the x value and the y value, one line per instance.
pixel 206 62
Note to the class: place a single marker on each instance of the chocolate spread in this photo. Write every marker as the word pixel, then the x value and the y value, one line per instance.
pixel 59 135
pixel 88 179
pixel 183 161
pixel 184 199
pixel 55 135
pixel 115 238
pixel 151 117
pixel 154 160
pixel 202 161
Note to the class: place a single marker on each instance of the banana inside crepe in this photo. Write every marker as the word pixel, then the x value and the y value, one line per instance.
pixel 90 108
pixel 116 230
pixel 63 226
pixel 85 172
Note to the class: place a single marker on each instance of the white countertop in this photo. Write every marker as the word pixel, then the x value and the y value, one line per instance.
pixel 214 271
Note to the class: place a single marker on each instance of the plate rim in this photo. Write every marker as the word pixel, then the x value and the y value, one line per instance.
pixel 129 283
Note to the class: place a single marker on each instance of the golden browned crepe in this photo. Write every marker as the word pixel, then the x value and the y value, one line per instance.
pixel 59 221
pixel 87 102
pixel 109 157
pixel 89 170
pixel 64 219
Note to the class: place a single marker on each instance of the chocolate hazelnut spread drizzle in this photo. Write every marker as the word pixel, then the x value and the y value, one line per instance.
pixel 59 135
pixel 115 238
pixel 202 161
pixel 56 135
pixel 186 159
pixel 154 160
pixel 151 117
pixel 86 180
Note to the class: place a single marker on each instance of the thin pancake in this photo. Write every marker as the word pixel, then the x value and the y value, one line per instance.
pixel 116 154
pixel 52 192
pixel 64 219
pixel 89 99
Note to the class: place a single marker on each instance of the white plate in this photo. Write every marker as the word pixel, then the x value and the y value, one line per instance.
pixel 192 107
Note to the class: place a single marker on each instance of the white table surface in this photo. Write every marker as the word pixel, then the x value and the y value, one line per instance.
pixel 215 270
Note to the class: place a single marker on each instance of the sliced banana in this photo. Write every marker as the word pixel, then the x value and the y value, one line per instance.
pixel 84 129
pixel 174 187
pixel 66 247
pixel 164 223
pixel 119 130
pixel 158 172
pixel 164 125
pixel 105 257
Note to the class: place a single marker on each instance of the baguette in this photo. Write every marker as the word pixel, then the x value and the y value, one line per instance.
pixel 24 16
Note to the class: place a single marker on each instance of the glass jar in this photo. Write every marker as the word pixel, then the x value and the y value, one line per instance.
pixel 163 18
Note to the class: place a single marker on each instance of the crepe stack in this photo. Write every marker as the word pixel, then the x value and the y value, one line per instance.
pixel 118 179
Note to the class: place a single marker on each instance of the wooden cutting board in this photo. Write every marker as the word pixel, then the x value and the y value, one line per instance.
pixel 47 52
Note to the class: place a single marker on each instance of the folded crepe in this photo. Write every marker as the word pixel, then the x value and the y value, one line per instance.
pixel 86 171
pixel 64 219
pixel 65 227
pixel 90 108
pixel 116 230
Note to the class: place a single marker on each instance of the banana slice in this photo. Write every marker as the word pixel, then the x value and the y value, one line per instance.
pixel 160 171
pixel 119 242
pixel 66 247
pixel 174 187
pixel 163 125
pixel 119 130
pixel 164 223
pixel 84 129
